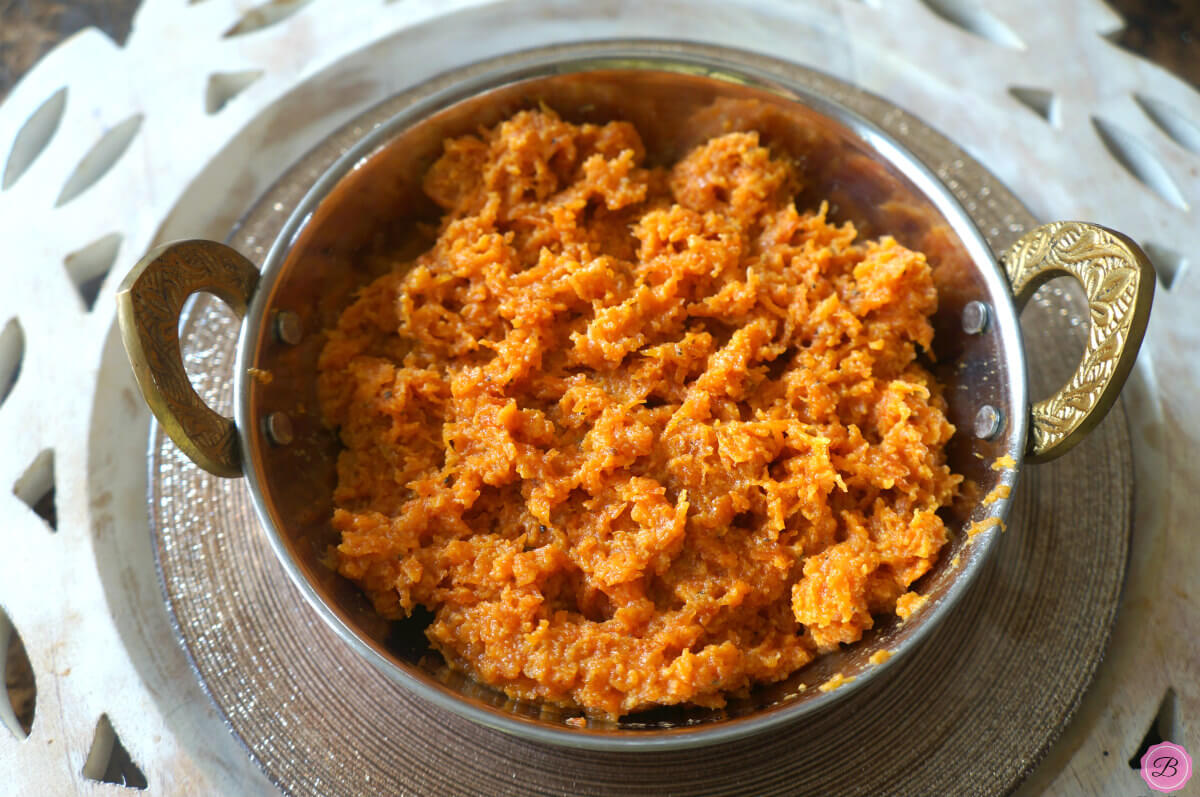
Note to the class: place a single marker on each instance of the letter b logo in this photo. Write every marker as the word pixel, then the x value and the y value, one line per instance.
pixel 1166 767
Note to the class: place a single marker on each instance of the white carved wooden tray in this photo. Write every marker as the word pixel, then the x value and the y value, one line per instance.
pixel 105 151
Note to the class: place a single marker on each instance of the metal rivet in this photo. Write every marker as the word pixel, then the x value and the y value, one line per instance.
pixel 988 422
pixel 975 318
pixel 279 428
pixel 288 327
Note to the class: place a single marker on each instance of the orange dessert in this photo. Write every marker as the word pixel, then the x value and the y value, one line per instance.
pixel 636 435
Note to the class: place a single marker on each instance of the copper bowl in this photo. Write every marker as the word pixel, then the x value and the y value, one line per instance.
pixel 677 95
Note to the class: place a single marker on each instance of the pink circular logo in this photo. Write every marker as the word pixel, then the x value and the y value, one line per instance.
pixel 1166 767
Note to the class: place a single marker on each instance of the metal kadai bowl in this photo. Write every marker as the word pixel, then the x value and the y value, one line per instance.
pixel 677 95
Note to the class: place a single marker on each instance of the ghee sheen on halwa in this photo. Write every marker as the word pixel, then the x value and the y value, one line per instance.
pixel 636 436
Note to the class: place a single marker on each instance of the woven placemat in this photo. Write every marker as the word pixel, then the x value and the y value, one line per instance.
pixel 970 712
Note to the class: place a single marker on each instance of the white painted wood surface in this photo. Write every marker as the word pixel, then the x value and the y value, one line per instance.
pixel 214 119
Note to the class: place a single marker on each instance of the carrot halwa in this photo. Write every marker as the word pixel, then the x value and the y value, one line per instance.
pixel 636 435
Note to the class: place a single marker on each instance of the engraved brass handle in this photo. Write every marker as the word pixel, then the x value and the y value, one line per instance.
pixel 1119 282
pixel 148 306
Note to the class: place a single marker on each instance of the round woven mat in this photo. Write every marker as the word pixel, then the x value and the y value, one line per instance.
pixel 970 712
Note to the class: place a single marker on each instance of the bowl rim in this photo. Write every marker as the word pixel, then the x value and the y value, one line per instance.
pixel 704 60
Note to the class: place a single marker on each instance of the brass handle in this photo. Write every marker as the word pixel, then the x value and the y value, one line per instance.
pixel 148 306
pixel 1119 282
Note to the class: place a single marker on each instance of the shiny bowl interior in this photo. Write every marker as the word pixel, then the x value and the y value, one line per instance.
pixel 677 96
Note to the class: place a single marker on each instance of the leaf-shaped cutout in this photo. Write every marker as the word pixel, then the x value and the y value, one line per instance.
pixel 1167 726
pixel 265 15
pixel 224 86
pixel 88 266
pixel 33 136
pixel 1168 264
pixel 100 158
pixel 1139 161
pixel 12 352
pixel 973 17
pixel 36 488
pixel 1043 102
pixel 1178 127
pixel 17 711
pixel 109 762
